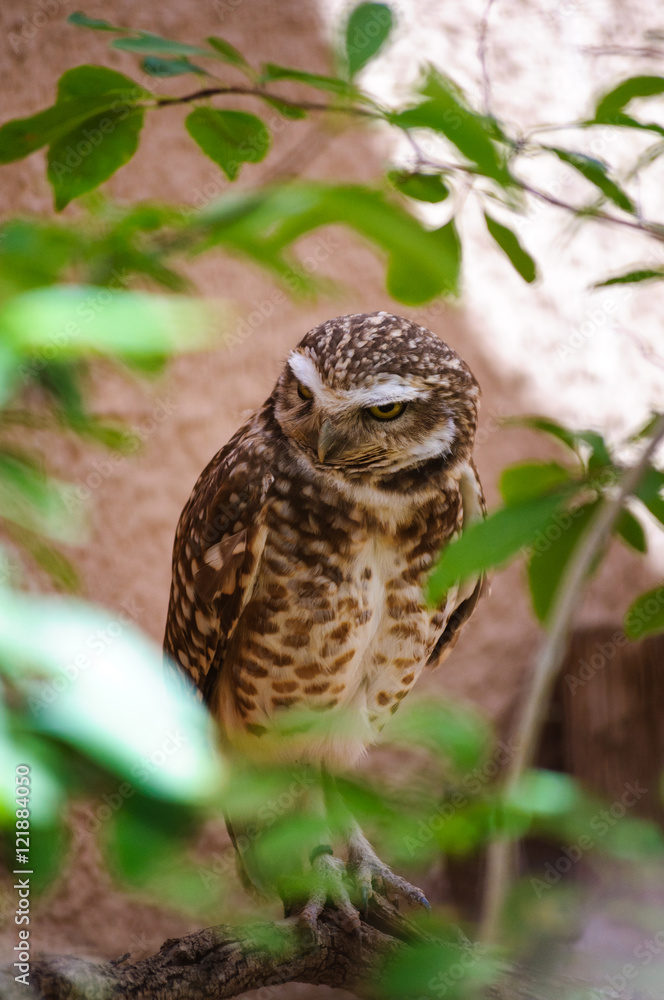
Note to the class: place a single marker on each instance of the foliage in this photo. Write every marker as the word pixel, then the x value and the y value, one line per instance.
pixel 97 283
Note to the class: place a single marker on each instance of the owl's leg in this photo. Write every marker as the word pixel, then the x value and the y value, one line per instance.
pixel 328 884
pixel 327 880
pixel 373 875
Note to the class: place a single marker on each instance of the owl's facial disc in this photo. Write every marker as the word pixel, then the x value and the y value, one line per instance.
pixel 386 423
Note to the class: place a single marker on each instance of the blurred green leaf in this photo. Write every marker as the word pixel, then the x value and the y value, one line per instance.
pixel 528 480
pixel 548 560
pixel 230 138
pixel 146 43
pixel 84 158
pixel 545 793
pixel 491 542
pixel 458 733
pixel 35 501
pixel 406 286
pixel 74 320
pixel 96 684
pixel 438 968
pixel 156 66
pixel 421 187
pixel 333 84
pixel 285 110
pixel 227 52
pixel 82 20
pixel 445 111
pixel 46 556
pixel 630 529
pixel 421 263
pixel 645 616
pixel 521 260
pixel 610 108
pixel 650 492
pixel 631 277
pixel 597 173
pixel 367 31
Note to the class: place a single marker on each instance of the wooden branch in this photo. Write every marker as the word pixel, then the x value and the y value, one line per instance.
pixel 218 962
pixel 221 962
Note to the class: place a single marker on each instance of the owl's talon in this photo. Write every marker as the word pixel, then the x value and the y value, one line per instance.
pixel 372 875
pixel 328 884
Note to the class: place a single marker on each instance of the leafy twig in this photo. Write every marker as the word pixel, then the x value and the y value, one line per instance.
pixel 547 667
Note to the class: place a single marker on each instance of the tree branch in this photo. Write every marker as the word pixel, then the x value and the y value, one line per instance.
pixel 197 95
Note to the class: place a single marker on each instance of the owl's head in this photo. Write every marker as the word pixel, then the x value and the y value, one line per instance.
pixel 376 392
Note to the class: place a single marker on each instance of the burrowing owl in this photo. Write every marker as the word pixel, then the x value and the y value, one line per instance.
pixel 300 558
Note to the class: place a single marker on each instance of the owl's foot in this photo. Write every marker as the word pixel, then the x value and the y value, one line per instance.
pixel 328 885
pixel 371 876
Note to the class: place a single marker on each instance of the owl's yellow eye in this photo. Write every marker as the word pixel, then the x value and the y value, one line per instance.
pixel 388 411
pixel 303 392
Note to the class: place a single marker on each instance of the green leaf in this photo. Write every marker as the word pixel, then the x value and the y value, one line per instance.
pixel 645 616
pixel 156 66
pixel 552 553
pixel 545 794
pixel 630 529
pixel 444 111
pixel 528 480
pixel 575 440
pixel 81 20
pixel 74 320
pixel 35 502
pixel 631 277
pixel 650 492
pixel 413 288
pixel 271 72
pixel 84 158
pixel 82 93
pixel 227 52
pixel 596 172
pixel 610 107
pixel 521 260
pixel 458 733
pixel 230 138
pixel 368 28
pixel 421 187
pixel 491 542
pixel 148 44
pixel 83 81
pixel 285 109
pixel 421 263
pixel 90 676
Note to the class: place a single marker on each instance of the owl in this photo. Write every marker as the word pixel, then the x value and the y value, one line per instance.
pixel 301 556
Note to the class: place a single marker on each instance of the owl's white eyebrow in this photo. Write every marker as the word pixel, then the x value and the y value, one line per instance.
pixel 391 389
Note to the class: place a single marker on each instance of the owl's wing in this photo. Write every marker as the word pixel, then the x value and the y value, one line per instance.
pixel 217 550
pixel 467 594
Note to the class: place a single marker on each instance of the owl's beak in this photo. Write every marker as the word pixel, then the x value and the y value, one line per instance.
pixel 330 440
